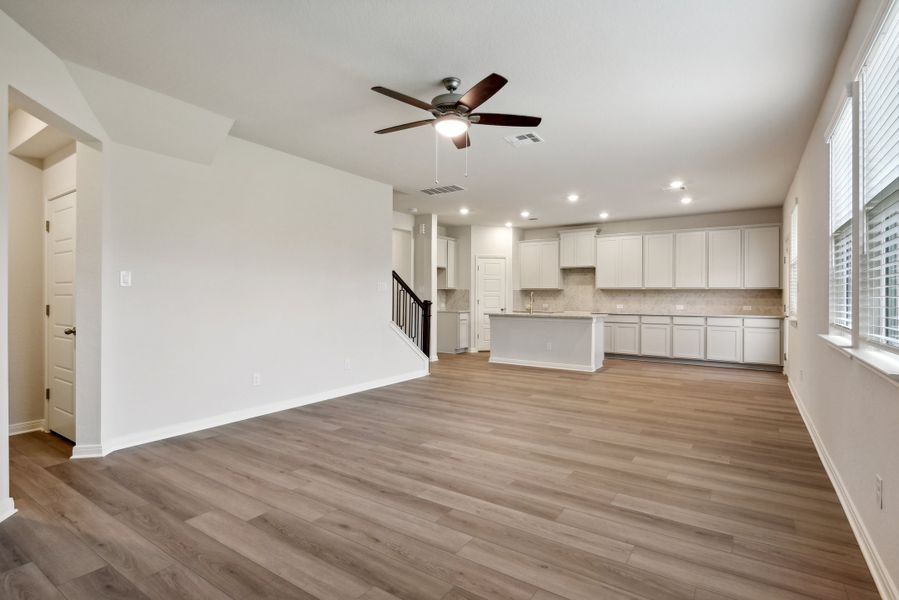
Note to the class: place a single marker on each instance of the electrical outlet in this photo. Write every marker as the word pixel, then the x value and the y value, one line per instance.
pixel 678 307
pixel 747 307
pixel 257 379
pixel 347 364
pixel 619 307
pixel 545 306
pixel 800 374
pixel 549 346
pixel 878 491
pixel 125 278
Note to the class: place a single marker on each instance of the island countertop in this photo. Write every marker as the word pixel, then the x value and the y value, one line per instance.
pixel 550 315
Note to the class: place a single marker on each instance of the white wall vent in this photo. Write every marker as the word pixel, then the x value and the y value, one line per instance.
pixel 446 189
pixel 524 139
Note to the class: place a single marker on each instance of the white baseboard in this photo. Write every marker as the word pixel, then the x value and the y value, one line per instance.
pixel 27 427
pixel 542 365
pixel 87 451
pixel 7 509
pixel 885 584
pixel 161 433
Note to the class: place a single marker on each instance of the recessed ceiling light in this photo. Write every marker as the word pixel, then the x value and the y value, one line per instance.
pixel 677 184
pixel 463 211
pixel 603 215
pixel 573 197
pixel 508 223
pixel 686 200
pixel 525 214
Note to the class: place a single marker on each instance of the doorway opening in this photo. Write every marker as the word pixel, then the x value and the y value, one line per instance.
pixel 42 213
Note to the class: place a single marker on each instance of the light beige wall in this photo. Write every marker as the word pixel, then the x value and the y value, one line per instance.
pixel 721 219
pixel 26 291
pixel 853 410
pixel 59 172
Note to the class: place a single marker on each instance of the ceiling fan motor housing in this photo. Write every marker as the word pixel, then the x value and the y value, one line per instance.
pixel 448 102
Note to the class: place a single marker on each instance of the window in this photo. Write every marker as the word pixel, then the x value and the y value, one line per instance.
pixel 880 176
pixel 794 261
pixel 841 220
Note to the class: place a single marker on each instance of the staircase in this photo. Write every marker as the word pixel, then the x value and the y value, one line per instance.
pixel 412 314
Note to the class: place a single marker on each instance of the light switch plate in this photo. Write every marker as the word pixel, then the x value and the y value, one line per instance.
pixel 125 278
pixel 619 306
pixel 678 307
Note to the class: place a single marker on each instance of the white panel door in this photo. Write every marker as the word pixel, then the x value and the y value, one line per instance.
pixel 584 249
pixel 658 260
pixel 549 265
pixel 630 274
pixel 724 343
pixel 761 346
pixel 690 258
pixel 725 263
pixel 60 330
pixel 529 264
pixel 402 254
pixel 608 258
pixel 688 341
pixel 655 340
pixel 627 338
pixel 491 296
pixel 761 257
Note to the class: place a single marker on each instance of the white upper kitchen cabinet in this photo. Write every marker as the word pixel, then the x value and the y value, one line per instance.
pixel 539 264
pixel 690 259
pixel 761 257
pixel 576 248
pixel 725 258
pixel 451 264
pixel 619 261
pixel 658 260
pixel 442 244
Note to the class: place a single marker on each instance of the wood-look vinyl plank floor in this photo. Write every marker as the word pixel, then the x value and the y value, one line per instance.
pixel 481 482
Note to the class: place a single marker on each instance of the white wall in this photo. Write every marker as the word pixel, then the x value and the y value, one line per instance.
pixel 854 411
pixel 260 262
pixel 26 292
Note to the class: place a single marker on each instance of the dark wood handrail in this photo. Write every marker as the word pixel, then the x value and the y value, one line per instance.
pixel 405 286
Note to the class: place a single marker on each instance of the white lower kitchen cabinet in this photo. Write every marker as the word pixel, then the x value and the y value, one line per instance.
pixel 453 332
pixel 626 338
pixel 655 340
pixel 724 343
pixel 608 341
pixel 688 341
pixel 761 345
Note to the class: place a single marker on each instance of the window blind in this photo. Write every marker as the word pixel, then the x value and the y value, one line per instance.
pixel 794 261
pixel 841 277
pixel 882 263
pixel 880 111
pixel 841 169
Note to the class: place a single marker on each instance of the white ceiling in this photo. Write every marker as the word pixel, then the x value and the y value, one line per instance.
pixel 633 93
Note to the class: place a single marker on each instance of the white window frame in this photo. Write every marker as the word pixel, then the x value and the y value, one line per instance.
pixel 840 308
pixel 793 283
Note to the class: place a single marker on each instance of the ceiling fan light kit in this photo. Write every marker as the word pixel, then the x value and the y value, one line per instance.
pixel 450 125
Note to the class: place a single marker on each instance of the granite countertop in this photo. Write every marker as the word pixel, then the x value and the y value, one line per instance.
pixel 683 314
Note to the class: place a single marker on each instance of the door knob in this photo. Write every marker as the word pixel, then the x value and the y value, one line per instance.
pixel 69 331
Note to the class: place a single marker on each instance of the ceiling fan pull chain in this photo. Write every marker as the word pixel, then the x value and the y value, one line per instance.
pixel 436 156
pixel 467 145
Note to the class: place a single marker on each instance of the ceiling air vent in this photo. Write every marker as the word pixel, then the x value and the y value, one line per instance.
pixel 446 189
pixel 524 139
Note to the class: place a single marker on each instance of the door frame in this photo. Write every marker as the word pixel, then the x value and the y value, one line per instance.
pixel 474 333
pixel 411 233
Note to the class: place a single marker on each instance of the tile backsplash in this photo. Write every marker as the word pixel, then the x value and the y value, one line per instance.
pixel 579 293
pixel 453 300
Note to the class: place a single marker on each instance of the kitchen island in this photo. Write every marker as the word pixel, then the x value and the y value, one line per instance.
pixel 567 340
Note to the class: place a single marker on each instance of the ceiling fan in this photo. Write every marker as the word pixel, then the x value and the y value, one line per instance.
pixel 453 111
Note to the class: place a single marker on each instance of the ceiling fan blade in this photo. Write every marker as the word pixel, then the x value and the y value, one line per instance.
pixel 402 97
pixel 404 126
pixel 483 90
pixel 504 120
pixel 462 141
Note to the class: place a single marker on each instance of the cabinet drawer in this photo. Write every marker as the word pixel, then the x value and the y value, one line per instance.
pixel 656 320
pixel 762 323
pixel 623 319
pixel 689 320
pixel 724 321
